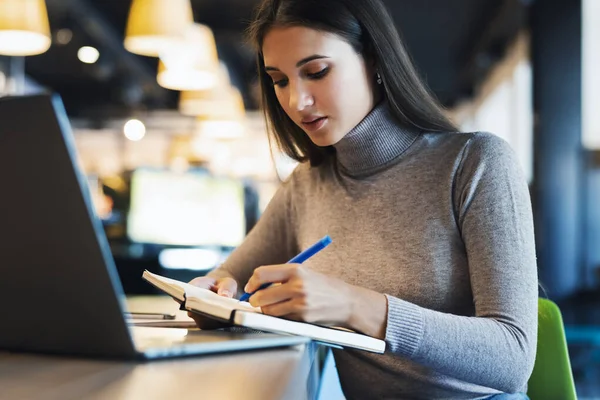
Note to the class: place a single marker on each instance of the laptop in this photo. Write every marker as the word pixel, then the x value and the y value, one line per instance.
pixel 59 289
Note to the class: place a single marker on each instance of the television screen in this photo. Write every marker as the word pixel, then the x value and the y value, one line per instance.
pixel 185 209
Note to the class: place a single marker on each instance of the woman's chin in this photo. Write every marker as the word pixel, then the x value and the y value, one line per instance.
pixel 323 140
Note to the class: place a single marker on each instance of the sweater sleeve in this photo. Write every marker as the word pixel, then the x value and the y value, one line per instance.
pixel 495 347
pixel 271 241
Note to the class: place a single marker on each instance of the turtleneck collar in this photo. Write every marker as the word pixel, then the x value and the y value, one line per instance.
pixel 374 143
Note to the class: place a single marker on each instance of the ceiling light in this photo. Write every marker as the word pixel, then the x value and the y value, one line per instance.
pixel 88 54
pixel 64 36
pixel 223 104
pixel 198 102
pixel 154 25
pixel 192 64
pixel 185 78
pixel 223 118
pixel 134 130
pixel 24 27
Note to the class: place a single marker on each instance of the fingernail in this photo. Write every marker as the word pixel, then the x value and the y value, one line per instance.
pixel 225 293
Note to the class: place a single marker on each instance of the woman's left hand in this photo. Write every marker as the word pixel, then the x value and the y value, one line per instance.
pixel 302 294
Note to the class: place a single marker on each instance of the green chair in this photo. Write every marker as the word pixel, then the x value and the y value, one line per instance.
pixel 552 377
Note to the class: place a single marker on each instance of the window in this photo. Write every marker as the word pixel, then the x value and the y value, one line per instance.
pixel 590 77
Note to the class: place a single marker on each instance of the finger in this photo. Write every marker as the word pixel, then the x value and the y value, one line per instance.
pixel 282 309
pixel 226 287
pixel 203 282
pixel 273 294
pixel 269 274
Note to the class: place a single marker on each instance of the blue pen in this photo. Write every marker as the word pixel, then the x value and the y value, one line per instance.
pixel 299 259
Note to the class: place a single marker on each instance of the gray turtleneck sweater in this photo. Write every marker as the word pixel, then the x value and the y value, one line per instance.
pixel 441 223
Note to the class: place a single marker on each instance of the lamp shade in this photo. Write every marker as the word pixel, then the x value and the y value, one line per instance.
pixel 24 27
pixel 154 25
pixel 223 117
pixel 221 104
pixel 185 78
pixel 198 102
pixel 192 64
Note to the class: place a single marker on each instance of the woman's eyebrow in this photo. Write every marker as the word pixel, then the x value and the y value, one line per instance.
pixel 299 63
pixel 309 59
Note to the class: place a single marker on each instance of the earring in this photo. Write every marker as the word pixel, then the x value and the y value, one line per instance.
pixel 379 80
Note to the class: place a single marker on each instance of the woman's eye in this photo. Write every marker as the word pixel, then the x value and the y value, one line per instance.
pixel 318 75
pixel 280 82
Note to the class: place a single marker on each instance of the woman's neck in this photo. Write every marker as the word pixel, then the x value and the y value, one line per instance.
pixel 378 140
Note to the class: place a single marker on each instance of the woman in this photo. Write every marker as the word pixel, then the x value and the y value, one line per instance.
pixel 433 246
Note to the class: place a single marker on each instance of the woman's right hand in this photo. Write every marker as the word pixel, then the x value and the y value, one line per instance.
pixel 226 287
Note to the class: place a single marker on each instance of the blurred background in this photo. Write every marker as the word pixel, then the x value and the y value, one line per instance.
pixel 163 99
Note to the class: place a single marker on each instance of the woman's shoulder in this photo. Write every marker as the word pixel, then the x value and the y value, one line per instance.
pixel 487 146
pixel 479 144
pixel 481 150
pixel 468 138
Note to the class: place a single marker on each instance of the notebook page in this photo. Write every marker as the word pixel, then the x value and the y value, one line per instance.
pixel 177 288
pixel 196 296
pixel 172 287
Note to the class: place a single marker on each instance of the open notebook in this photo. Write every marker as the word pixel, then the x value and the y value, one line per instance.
pixel 238 313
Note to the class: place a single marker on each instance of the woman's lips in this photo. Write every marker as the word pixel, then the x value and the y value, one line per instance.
pixel 314 124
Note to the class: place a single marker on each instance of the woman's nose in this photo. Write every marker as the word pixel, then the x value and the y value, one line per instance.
pixel 300 98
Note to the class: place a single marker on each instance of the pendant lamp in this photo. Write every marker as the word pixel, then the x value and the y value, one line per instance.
pixel 192 64
pixel 24 27
pixel 154 25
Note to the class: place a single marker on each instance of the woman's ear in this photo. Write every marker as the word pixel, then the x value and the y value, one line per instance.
pixel 370 65
pixel 373 69
pixel 371 62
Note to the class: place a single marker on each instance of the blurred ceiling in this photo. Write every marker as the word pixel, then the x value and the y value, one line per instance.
pixel 453 43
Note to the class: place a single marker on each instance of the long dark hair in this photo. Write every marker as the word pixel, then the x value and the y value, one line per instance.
pixel 367 26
